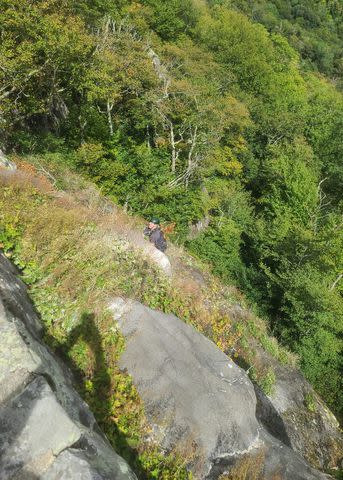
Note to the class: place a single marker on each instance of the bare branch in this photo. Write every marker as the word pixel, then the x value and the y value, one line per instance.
pixel 109 106
pixel 322 204
pixel 48 174
pixel 339 277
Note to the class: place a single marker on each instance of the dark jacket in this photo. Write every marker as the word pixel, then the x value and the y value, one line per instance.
pixel 156 237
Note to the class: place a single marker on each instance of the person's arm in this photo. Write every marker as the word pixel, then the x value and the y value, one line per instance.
pixel 147 231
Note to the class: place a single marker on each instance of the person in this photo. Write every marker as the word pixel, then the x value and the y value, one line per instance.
pixel 153 231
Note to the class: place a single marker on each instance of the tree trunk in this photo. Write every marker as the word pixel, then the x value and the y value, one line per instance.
pixel 109 117
pixel 190 165
pixel 336 281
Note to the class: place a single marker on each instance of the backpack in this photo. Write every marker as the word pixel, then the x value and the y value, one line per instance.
pixel 162 242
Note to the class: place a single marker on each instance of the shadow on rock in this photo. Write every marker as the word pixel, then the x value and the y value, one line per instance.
pixel 12 426
pixel 266 412
pixel 100 396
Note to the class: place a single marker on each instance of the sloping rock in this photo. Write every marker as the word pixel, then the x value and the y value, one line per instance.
pixel 158 257
pixel 296 414
pixel 14 298
pixel 46 430
pixel 32 415
pixel 196 397
pixel 183 381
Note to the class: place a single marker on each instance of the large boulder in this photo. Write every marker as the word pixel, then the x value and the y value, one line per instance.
pixel 158 257
pixel 184 381
pixel 46 430
pixel 196 398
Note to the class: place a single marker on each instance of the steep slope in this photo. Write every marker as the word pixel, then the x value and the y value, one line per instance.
pixel 77 250
pixel 195 112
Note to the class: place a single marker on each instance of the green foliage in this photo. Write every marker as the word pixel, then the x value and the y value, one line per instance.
pixel 310 402
pixel 171 19
pixel 266 381
pixel 220 245
pixel 45 54
pixel 312 27
pixel 9 234
pixel 323 127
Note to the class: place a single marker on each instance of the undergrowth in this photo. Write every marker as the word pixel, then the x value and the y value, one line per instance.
pixel 58 251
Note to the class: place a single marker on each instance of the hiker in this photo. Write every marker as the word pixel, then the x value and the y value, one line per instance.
pixel 155 234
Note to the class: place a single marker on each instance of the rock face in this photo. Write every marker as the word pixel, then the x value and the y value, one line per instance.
pixel 184 381
pixel 196 399
pixel 158 257
pixel 295 414
pixel 46 430
pixel 298 417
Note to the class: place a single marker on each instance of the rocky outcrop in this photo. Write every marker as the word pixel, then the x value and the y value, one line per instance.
pixel 294 413
pixel 198 400
pixel 46 430
pixel 183 380
pixel 157 257
pixel 297 415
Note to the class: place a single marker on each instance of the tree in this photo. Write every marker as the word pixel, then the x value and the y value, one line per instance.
pixel 45 56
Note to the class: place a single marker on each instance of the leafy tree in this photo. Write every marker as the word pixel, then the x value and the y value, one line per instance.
pixel 325 122
pixel 45 56
pixel 171 19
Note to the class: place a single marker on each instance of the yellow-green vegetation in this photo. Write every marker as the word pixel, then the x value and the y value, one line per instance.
pixel 310 402
pixel 266 380
pixel 74 258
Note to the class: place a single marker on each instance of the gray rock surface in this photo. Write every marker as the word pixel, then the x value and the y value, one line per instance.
pixel 5 163
pixel 34 430
pixel 298 417
pixel 195 397
pixel 46 430
pixel 197 400
pixel 184 380
pixel 158 257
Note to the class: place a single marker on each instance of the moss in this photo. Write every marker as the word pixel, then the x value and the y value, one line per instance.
pixel 265 379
